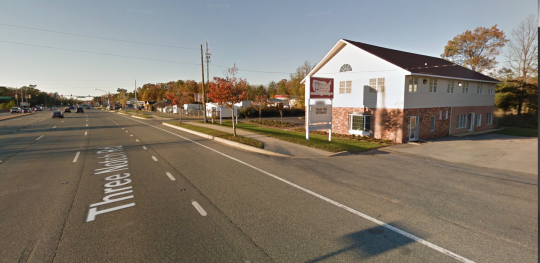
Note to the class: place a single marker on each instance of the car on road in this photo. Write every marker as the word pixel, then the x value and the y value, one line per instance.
pixel 67 110
pixel 58 114
pixel 15 110
pixel 25 110
pixel 79 109
pixel 71 107
pixel 87 107
pixel 37 108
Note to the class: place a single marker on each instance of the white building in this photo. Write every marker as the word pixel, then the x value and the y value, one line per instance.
pixel 401 96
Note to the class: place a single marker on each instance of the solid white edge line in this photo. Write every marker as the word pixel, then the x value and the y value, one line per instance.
pixel 39 137
pixel 383 224
pixel 171 176
pixel 155 159
pixel 199 208
pixel 76 157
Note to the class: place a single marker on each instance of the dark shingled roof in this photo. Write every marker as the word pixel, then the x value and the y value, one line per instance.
pixel 416 63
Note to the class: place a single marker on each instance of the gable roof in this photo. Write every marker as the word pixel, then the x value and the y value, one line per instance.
pixel 414 63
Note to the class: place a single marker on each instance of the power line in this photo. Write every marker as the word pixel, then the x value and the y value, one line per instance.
pixel 259 71
pixel 91 52
pixel 103 38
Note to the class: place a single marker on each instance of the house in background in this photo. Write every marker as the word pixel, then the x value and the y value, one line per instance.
pixel 401 96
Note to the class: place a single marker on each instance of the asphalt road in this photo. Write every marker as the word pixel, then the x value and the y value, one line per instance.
pixel 105 187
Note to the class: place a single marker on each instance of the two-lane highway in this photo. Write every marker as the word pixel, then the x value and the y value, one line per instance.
pixel 106 187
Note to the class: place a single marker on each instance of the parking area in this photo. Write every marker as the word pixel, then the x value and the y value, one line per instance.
pixel 510 153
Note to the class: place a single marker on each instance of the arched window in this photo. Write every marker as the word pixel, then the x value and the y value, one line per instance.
pixel 345 67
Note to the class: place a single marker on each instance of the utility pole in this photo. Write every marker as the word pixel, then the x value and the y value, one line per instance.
pixel 207 55
pixel 203 93
pixel 136 100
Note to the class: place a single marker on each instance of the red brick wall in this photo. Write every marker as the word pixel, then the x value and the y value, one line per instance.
pixel 424 131
pixel 484 110
pixel 385 123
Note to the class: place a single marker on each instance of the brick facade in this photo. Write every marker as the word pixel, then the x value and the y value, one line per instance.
pixel 424 129
pixel 385 123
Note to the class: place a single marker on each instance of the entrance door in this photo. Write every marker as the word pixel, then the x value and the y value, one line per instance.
pixel 413 128
pixel 470 122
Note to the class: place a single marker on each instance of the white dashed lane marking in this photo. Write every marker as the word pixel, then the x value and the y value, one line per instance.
pixel 171 176
pixel 199 208
pixel 76 157
pixel 155 159
pixel 39 137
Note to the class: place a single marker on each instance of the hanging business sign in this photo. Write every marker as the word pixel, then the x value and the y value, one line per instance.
pixel 320 113
pixel 321 88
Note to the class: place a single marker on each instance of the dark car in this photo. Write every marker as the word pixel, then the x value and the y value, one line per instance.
pixel 58 114
pixel 26 110
pixel 15 110
pixel 80 109
pixel 67 109
pixel 37 108
pixel 87 107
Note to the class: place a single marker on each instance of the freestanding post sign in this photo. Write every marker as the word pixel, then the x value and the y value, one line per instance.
pixel 319 115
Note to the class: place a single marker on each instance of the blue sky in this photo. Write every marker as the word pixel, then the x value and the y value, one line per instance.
pixel 272 36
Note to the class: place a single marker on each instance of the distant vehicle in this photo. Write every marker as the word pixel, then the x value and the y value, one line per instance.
pixel 67 109
pixel 72 107
pixel 15 110
pixel 37 108
pixel 58 114
pixel 87 107
pixel 25 110
pixel 79 109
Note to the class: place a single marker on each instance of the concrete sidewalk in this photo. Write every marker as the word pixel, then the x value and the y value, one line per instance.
pixel 271 144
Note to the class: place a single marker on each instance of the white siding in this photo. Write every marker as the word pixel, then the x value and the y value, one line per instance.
pixel 424 99
pixel 364 67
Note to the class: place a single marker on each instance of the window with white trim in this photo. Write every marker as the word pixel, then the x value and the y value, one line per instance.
pixel 478 120
pixel 440 115
pixel 345 68
pixel 465 88
pixel 345 87
pixel 450 88
pixel 372 85
pixel 491 89
pixel 413 84
pixel 461 122
pixel 446 115
pixel 432 126
pixel 432 85
pixel 489 118
pixel 380 85
pixel 479 89
pixel 359 123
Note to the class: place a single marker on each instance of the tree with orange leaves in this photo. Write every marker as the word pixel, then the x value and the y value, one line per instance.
pixel 228 91
pixel 476 50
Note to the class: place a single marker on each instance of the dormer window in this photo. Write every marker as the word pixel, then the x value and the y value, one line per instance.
pixel 345 67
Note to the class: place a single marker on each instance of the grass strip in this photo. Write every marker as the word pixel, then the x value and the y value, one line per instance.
pixel 315 140
pixel 524 132
pixel 220 134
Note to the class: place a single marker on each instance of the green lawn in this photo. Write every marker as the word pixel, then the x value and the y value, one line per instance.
pixel 518 132
pixel 315 140
pixel 220 134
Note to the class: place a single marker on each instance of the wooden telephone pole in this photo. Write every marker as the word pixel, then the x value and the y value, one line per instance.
pixel 203 93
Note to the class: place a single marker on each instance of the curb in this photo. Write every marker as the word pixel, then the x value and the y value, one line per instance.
pixel 230 143
pixel 14 116
pixel 137 117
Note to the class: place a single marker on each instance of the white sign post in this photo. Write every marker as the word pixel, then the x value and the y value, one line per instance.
pixel 319 116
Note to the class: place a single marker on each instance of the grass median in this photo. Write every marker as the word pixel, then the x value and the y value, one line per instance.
pixel 338 143
pixel 518 132
pixel 220 134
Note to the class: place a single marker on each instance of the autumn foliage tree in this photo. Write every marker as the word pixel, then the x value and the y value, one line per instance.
pixel 476 50
pixel 228 91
